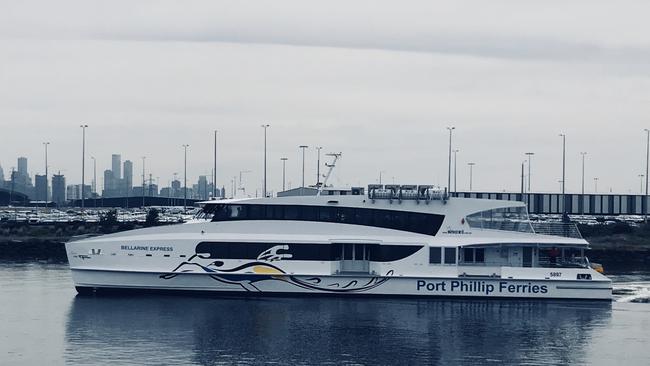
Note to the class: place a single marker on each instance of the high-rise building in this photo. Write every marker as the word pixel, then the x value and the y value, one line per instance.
pixel 58 189
pixel 22 165
pixel 116 166
pixel 21 181
pixel 2 177
pixel 109 184
pixel 202 188
pixel 40 182
pixel 128 177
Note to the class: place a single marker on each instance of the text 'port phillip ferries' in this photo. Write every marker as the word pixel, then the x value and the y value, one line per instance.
pixel 391 240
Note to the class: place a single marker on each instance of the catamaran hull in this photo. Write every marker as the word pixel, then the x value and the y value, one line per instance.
pixel 91 281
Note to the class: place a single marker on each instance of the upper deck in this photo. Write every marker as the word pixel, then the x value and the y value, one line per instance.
pixel 422 211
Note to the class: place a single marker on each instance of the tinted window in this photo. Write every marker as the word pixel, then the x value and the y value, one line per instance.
pixel 422 223
pixel 480 255
pixel 434 255
pixel 468 254
pixel 450 255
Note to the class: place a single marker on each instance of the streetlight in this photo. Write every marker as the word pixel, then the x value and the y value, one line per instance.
pixel 380 172
pixel 241 184
pixel 318 148
pixel 455 164
pixel 451 130
pixel 214 172
pixel 284 170
pixel 47 185
pixel 83 164
pixel 596 185
pixel 264 190
pixel 641 176
pixel 302 187
pixel 471 171
pixel 583 171
pixel 185 146
pixel 143 160
pixel 530 155
pixel 564 217
pixel 647 174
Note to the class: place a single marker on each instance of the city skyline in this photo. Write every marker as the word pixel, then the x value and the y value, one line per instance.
pixel 381 96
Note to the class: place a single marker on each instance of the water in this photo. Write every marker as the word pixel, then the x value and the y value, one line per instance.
pixel 43 322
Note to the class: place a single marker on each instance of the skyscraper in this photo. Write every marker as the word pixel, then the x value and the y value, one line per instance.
pixel 117 165
pixel 202 188
pixel 2 177
pixel 109 185
pixel 40 181
pixel 22 182
pixel 22 165
pixel 128 177
pixel 58 189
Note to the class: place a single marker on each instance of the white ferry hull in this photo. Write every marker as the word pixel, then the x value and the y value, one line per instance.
pixel 88 281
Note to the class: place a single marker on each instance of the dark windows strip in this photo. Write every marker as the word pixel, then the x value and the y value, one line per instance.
pixel 302 252
pixel 415 222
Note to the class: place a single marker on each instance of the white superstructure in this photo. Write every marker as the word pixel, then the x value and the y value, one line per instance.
pixel 396 240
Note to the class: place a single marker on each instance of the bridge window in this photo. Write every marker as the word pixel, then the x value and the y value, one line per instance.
pixel 506 218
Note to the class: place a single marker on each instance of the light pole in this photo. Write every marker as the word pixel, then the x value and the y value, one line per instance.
pixel 471 172
pixel 214 172
pixel 143 188
pixel 596 185
pixel 185 146
pixel 380 172
pixel 318 148
pixel 563 176
pixel 530 155
pixel 647 164
pixel 284 171
pixel 83 164
pixel 241 182
pixel 264 187
pixel 641 176
pixel 584 153
pixel 47 184
pixel 455 165
pixel 302 187
pixel 451 130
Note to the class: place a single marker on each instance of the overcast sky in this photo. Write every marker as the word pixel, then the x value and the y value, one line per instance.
pixel 377 81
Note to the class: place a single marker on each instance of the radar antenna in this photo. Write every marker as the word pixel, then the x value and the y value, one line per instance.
pixel 329 171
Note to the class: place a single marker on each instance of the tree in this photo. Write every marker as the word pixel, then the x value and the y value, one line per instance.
pixel 153 216
pixel 108 218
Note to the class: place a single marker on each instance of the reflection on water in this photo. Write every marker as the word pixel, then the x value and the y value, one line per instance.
pixel 213 331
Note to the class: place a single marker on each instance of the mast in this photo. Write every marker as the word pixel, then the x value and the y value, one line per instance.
pixel 329 171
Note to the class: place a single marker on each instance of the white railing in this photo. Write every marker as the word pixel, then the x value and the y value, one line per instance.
pixel 565 229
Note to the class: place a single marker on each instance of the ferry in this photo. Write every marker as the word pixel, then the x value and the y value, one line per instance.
pixel 388 240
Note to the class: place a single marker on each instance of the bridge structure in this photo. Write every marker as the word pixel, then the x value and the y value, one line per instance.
pixel 571 203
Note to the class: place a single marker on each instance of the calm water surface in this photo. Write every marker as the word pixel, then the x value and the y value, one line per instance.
pixel 43 322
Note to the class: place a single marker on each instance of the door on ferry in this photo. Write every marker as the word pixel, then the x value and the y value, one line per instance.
pixel 527 260
pixel 356 258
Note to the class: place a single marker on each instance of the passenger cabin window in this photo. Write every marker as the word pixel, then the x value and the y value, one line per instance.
pixel 450 255
pixel 442 255
pixel 473 255
pixel 435 255
pixel 421 223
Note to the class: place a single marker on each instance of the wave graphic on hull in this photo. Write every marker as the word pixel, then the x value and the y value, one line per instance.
pixel 249 275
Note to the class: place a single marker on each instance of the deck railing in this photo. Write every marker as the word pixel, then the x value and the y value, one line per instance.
pixel 565 229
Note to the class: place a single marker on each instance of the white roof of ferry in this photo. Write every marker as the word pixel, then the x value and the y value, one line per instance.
pixel 459 207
